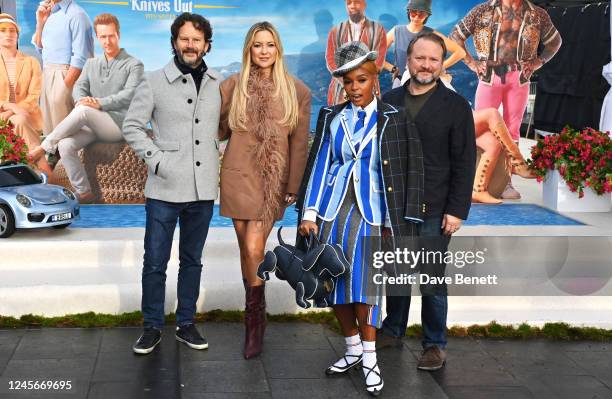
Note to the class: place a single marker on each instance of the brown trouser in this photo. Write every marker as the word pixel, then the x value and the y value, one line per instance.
pixel 56 99
pixel 24 129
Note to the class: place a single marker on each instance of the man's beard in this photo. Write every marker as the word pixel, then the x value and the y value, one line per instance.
pixel 355 18
pixel 424 82
pixel 191 64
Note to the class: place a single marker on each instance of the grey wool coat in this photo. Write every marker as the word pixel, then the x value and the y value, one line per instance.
pixel 183 155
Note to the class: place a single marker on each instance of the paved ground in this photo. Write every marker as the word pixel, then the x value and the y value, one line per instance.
pixel 100 364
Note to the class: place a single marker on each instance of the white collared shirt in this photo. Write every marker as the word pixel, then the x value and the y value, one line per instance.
pixel 369 110
pixel 356 30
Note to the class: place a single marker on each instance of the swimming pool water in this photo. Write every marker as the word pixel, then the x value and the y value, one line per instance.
pixel 115 216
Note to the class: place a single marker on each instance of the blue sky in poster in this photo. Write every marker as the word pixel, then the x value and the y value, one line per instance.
pixel 146 35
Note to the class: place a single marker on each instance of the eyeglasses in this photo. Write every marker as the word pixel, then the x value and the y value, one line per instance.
pixel 417 13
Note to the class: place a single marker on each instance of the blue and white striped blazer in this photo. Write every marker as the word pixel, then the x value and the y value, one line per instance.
pixel 344 159
pixel 402 167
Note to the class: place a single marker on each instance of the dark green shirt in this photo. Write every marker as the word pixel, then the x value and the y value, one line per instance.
pixel 414 104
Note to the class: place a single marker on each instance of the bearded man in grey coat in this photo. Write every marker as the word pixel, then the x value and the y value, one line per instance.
pixel 182 103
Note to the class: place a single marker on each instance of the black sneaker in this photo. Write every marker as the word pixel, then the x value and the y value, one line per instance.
pixel 190 336
pixel 149 339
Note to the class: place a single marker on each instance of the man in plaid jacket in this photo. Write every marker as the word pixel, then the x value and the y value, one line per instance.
pixel 445 125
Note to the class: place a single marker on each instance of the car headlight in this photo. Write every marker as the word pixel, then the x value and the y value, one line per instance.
pixel 68 194
pixel 23 200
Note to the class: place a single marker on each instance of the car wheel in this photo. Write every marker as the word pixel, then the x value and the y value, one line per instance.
pixel 7 222
pixel 61 226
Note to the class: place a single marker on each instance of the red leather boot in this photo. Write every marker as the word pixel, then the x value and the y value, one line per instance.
pixel 254 320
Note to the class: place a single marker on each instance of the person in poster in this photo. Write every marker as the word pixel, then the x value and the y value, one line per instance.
pixel 491 132
pixel 418 12
pixel 265 113
pixel 507 35
pixel 20 107
pixel 102 96
pixel 182 103
pixel 364 178
pixel 357 28
pixel 64 38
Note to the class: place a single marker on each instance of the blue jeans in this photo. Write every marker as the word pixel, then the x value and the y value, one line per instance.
pixel 194 219
pixel 434 309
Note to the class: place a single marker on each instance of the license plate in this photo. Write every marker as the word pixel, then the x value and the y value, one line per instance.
pixel 61 216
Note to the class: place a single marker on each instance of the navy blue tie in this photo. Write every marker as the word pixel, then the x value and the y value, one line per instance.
pixel 361 115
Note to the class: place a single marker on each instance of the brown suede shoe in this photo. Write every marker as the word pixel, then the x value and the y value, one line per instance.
pixel 432 359
pixel 86 198
pixel 387 341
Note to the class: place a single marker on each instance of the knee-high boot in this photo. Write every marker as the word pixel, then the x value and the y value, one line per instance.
pixel 519 166
pixel 484 171
pixel 254 320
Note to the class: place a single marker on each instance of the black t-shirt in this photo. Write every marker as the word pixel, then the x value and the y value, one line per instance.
pixel 414 103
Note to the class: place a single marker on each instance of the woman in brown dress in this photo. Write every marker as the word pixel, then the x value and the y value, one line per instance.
pixel 265 113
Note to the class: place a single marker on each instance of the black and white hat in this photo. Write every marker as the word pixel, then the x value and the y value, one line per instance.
pixel 350 56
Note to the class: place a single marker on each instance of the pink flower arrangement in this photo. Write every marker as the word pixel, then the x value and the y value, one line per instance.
pixel 12 147
pixel 583 159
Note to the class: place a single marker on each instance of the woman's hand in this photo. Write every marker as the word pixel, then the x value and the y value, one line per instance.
pixel 395 73
pixel 446 76
pixel 10 107
pixel 307 226
pixel 17 110
pixel 290 199
pixel 5 115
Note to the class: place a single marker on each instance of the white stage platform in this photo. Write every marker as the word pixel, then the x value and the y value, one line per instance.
pixel 53 273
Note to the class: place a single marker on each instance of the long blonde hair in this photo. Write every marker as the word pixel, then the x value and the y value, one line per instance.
pixel 284 88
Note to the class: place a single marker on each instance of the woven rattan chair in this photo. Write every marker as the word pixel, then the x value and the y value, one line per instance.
pixel 116 175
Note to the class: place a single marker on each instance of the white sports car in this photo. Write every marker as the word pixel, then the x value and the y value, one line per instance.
pixel 27 201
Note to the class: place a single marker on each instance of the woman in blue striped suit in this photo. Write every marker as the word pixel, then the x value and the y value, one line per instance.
pixel 364 178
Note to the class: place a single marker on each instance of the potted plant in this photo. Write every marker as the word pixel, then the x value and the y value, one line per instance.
pixel 576 168
pixel 12 147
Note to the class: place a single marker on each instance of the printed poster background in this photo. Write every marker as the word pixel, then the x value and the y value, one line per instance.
pixel 303 26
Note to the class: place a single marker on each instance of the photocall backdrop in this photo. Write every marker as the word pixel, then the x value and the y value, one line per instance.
pixel 116 175
pixel 303 25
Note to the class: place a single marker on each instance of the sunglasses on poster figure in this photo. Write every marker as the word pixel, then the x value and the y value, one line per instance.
pixel 311 273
